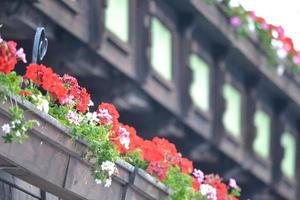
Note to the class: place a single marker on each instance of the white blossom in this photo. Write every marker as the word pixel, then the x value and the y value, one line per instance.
pixel 18 134
pixel 91 103
pixel 41 103
pixel 208 191
pixel 107 182
pixel 98 181
pixel 6 128
pixel 92 117
pixel 109 167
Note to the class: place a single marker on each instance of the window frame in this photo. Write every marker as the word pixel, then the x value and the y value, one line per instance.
pixel 291 130
pixel 165 16
pixel 124 48
pixel 261 105
pixel 229 79
pixel 198 50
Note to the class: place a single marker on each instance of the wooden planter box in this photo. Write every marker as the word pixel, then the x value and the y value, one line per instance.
pixel 50 160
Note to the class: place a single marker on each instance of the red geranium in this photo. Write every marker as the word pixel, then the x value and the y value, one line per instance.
pixel 186 166
pixel 216 182
pixel 196 184
pixel 158 169
pixel 82 99
pixel 169 150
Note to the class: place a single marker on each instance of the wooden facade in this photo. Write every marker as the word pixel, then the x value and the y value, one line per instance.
pixel 122 73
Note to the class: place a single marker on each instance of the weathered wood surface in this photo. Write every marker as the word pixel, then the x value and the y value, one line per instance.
pixel 50 160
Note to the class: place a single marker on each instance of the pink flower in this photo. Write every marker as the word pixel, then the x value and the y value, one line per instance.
pixel 265 26
pixel 73 117
pixel 232 183
pixel 68 100
pixel 199 175
pixel 103 114
pixel 235 21
pixel 297 58
pixel 21 55
pixel 124 137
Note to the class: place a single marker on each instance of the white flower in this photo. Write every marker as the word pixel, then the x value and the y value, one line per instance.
pixel 107 182
pixel 1 40
pixel 208 191
pixel 234 3
pixel 24 128
pixel 98 181
pixel 91 103
pixel 6 128
pixel 109 167
pixel 92 117
pixel 282 54
pixel 18 134
pixel 41 103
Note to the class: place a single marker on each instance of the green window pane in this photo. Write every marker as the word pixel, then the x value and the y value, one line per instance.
pixel 288 163
pixel 117 18
pixel 261 144
pixel 161 50
pixel 199 89
pixel 232 114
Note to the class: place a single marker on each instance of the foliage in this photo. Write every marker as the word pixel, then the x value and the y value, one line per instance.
pixel 135 158
pixel 181 184
pixel 278 48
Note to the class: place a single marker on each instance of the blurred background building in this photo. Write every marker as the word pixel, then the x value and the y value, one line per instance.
pixel 174 69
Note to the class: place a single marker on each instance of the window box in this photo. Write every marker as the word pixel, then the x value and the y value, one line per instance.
pixel 55 163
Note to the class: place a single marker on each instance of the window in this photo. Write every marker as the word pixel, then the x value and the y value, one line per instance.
pixel 117 18
pixel 161 49
pixel 232 114
pixel 199 89
pixel 288 163
pixel 261 144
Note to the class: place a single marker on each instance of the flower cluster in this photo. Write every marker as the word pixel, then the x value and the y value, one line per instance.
pixel 214 188
pixel 107 138
pixel 9 56
pixel 110 169
pixel 279 48
pixel 64 89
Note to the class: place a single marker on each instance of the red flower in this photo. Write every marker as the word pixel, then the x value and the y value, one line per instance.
pixel 169 150
pixel 196 184
pixel 288 44
pixel 35 72
pixel 150 152
pixel 83 99
pixel 158 169
pixel 216 182
pixel 8 58
pixel 186 166
pixel 25 93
